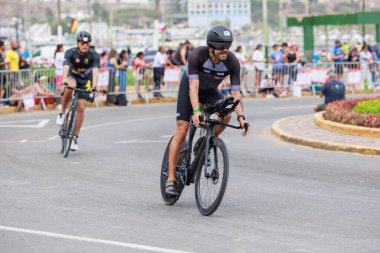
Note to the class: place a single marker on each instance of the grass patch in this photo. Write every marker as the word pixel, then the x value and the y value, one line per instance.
pixel 369 106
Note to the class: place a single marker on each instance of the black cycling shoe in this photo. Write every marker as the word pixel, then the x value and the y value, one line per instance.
pixel 171 189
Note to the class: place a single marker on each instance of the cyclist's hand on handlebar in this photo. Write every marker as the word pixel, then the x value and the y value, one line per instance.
pixel 245 126
pixel 197 118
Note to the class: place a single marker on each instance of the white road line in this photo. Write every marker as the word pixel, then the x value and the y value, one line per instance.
pixel 17 124
pixel 292 107
pixel 93 240
pixel 139 141
pixel 126 121
pixel 115 123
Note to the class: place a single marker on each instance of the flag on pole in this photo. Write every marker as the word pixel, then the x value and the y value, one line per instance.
pixel 74 25
pixel 163 27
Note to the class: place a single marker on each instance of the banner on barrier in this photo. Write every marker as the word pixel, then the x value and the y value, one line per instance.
pixel 354 77
pixel 318 75
pixel 172 75
pixel 304 77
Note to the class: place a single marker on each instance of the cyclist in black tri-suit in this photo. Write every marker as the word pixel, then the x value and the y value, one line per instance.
pixel 80 70
pixel 206 68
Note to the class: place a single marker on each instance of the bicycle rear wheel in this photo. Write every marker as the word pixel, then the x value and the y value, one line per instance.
pixel 179 173
pixel 211 182
pixel 69 132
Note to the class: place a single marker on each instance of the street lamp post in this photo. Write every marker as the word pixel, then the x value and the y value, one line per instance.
pixel 265 27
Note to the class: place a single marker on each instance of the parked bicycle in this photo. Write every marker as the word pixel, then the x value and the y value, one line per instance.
pixel 209 170
pixel 67 129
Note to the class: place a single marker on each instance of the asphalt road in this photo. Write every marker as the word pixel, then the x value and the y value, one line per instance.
pixel 105 197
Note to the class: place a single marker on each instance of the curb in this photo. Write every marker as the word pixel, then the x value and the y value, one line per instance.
pixel 333 146
pixel 344 128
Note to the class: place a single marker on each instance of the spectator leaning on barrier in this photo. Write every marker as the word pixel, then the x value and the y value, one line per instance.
pixel 12 57
pixel 337 55
pixel 333 90
pixel 158 71
pixel 182 52
pixel 277 65
pixel 366 58
pixel 3 65
pixel 59 57
pixel 123 63
pixel 139 67
pixel 243 70
pixel 353 59
pixel 170 59
pixel 258 61
pixel 292 57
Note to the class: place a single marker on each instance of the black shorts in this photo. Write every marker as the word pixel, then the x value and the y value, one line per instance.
pixel 184 107
pixel 84 84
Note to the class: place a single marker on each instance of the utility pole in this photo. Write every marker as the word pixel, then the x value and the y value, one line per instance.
pixel 363 26
pixel 89 14
pixel 27 25
pixel 280 18
pixel 59 27
pixel 265 27
pixel 110 10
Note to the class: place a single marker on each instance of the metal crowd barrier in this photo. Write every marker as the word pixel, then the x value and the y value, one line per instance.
pixel 311 76
pixel 16 86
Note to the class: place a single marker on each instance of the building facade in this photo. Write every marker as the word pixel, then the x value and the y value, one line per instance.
pixel 201 13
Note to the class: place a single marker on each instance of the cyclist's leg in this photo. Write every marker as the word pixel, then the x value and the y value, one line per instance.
pixel 84 85
pixel 184 111
pixel 175 146
pixel 80 115
pixel 66 97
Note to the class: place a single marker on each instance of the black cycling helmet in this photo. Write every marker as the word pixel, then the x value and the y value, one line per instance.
pixel 219 37
pixel 84 36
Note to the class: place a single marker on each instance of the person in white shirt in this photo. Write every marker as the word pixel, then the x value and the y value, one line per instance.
pixel 366 58
pixel 58 64
pixel 258 61
pixel 158 71
pixel 243 70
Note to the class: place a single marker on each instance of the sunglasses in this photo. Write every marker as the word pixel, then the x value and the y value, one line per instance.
pixel 84 43
pixel 222 49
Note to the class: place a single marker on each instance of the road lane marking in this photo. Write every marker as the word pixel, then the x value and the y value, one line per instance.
pixel 293 107
pixel 18 124
pixel 93 240
pixel 24 141
pixel 116 123
pixel 139 141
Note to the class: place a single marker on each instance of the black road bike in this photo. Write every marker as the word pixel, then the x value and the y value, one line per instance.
pixel 208 170
pixel 67 129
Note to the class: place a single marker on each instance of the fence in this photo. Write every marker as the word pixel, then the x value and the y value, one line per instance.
pixel 43 85
pixel 311 76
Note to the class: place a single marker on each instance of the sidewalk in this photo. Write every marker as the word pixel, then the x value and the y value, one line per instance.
pixel 303 130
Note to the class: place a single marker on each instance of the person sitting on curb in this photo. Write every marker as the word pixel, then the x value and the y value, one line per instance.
pixel 333 90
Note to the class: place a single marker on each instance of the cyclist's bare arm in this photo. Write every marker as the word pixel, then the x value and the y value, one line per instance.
pixel 66 69
pixel 239 109
pixel 194 99
pixel 95 74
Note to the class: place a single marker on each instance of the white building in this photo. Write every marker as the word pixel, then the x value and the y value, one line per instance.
pixel 201 13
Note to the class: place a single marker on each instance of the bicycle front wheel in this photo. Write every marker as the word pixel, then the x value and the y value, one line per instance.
pixel 69 132
pixel 211 181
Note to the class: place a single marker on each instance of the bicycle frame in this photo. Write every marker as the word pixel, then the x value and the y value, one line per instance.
pixel 204 145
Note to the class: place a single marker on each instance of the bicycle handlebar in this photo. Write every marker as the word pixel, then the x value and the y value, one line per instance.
pixel 217 122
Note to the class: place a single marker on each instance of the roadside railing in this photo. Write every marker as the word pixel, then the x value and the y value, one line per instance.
pixel 18 87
